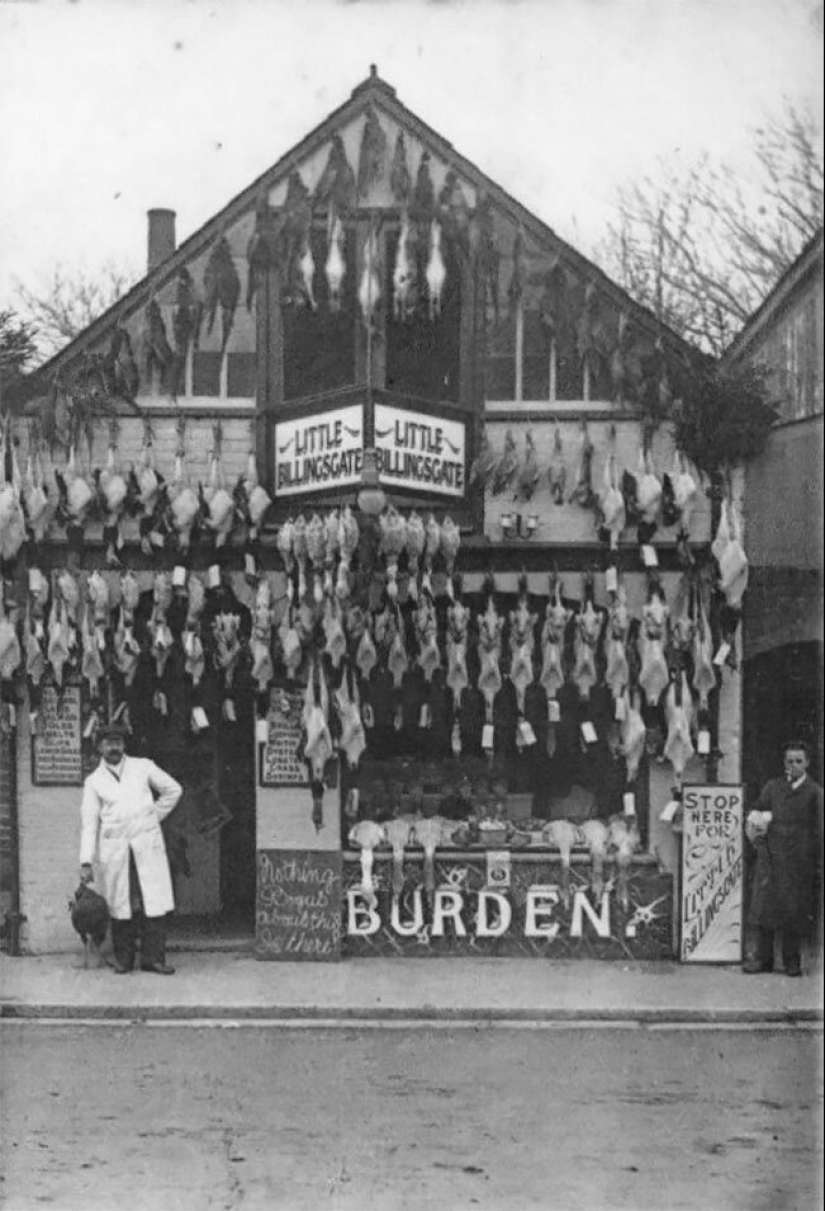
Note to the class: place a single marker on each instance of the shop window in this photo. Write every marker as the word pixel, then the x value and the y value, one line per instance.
pixel 535 359
pixel 206 373
pixel 569 373
pixel 501 358
pixel 319 345
pixel 423 354
pixel 241 375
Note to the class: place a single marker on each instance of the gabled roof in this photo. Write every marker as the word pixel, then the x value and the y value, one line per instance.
pixel 377 92
pixel 809 259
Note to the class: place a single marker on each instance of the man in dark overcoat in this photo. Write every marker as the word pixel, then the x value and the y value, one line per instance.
pixel 786 830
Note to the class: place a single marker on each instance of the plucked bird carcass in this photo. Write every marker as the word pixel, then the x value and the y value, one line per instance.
pixel 704 673
pixel 679 715
pixel 522 642
pixel 429 657
pixel 91 664
pixel 430 833
pixel 415 546
pixel 589 623
pixel 369 288
pixel 184 505
pixel 633 737
pixel 399 834
pixel 484 463
pixel 10 654
pixel 126 646
pixel 450 544
pixel 435 273
pixel 648 495
pixel 403 274
pixel 366 656
pixel 335 266
pixel 596 835
pixel 582 493
pixel 12 517
pixel 36 503
pixel 160 633
pixel 556 618
pixel 90 919
pixel 685 491
pixel 372 157
pixel 113 491
pixel 490 628
pixel 75 498
pixel 261 644
pixel 367 835
pixel 335 645
pixel 348 538
pixel 617 674
pixel 220 506
pixel 353 740
pixel 316 543
pixel 612 501
pixel 457 676
pixel 393 541
pixel 654 675
pixel 732 560
pixel 432 545
pixel 624 843
pixel 194 656
pixel 564 835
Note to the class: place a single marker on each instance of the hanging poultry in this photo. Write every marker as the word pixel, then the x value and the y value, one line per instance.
pixel 557 471
pixel 183 504
pixel 704 673
pixel 484 463
pixel 490 628
pixel 292 651
pixel 353 740
pixel 317 741
pixel 612 501
pixel 113 492
pixel 685 491
pixel 429 657
pixel 596 835
pixel 457 677
pixel 556 617
pixel 150 495
pixel 35 500
pixel 11 657
pixel 450 544
pixel 393 541
pixel 432 545
pixel 369 289
pixel 91 665
pixel 194 655
pixel 367 835
pixel 58 652
pixel 158 352
pixel 415 546
pixel 399 834
pixel 403 274
pixel 126 646
pixel 435 273
pixel 564 835
pixel 252 498
pixel 654 675
pixel 679 715
pixel 366 656
pixel 372 158
pixel 589 623
pixel 348 538
pixel 219 505
pixel 430 833
pixel 528 475
pixel 336 641
pixel 507 466
pixel 617 675
pixel 335 266
pixel 648 492
pixel 624 843
pixel 12 517
pixel 731 557
pixel 400 179
pixel 262 668
pixel 75 498
pixel 160 633
pixel 633 737
pixel 522 641
pixel 221 288
pixel 316 543
pixel 583 493
pixel 300 550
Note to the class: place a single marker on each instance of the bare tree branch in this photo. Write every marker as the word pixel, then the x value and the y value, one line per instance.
pixel 68 301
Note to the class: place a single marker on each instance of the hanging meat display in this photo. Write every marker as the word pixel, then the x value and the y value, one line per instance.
pixel 221 288
pixel 522 642
pixel 589 623
pixel 556 470
pixel 367 835
pixel 316 741
pixel 556 617
pixel 654 675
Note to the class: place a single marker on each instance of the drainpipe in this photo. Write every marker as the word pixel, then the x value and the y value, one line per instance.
pixel 14 918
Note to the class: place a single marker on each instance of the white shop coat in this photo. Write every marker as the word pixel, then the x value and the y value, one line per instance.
pixel 122 813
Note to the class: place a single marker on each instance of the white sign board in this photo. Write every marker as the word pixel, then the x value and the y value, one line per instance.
pixel 321 451
pixel 426 453
pixel 712 877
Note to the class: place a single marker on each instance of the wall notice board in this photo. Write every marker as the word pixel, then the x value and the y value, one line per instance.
pixel 278 762
pixel 711 874
pixel 298 905
pixel 57 743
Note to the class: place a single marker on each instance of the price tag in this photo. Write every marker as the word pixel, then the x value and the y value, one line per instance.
pixel 34 579
pixel 589 732
pixel 553 711
pixel 200 719
pixel 629 803
pixel 703 743
pixel 649 556
pixel 620 713
pixel 498 868
pixel 89 729
pixel 614 540
pixel 722 655
pixel 611 580
pixel 214 576
pixel 178 576
pixel 157 539
pixel 101 639
pixel 487 736
pixel 528 736
pixel 12 715
pixel 250 564
pixel 669 811
pixel 261 730
pixel 229 711
pixel 425 718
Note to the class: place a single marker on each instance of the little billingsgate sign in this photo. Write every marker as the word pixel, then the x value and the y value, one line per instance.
pixel 415 451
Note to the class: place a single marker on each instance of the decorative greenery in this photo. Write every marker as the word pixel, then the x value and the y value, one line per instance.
pixel 724 417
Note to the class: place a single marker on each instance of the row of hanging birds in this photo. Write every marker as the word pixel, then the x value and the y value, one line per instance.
pixel 623 498
pixel 167 510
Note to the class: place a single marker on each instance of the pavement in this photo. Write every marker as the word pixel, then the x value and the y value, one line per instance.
pixel 234 986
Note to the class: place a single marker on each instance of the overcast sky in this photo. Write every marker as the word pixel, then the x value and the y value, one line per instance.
pixel 108 109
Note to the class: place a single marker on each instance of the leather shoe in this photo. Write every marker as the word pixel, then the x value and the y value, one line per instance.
pixel 754 968
pixel 158 969
pixel 120 969
pixel 794 970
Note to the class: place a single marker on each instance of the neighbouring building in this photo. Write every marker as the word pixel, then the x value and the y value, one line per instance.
pixel 783 509
pixel 386 552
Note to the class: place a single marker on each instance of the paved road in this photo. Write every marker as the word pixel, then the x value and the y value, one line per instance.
pixel 173 1118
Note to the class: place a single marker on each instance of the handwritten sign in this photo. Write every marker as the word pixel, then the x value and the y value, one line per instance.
pixel 57 749
pixel 712 859
pixel 278 763
pixel 298 906
pixel 321 451
pixel 419 451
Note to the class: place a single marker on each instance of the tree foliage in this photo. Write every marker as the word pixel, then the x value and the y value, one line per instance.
pixel 64 305
pixel 702 245
pixel 724 417
pixel 17 350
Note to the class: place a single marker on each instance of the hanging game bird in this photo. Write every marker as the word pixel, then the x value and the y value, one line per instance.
pixel 507 466
pixel 400 180
pixel 372 159
pixel 221 286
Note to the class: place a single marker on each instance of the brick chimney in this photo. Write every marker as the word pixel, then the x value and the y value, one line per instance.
pixel 161 243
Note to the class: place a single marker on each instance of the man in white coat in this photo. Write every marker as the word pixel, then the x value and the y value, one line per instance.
pixel 124 801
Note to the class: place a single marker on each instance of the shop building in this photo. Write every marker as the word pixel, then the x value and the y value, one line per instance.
pixel 386 551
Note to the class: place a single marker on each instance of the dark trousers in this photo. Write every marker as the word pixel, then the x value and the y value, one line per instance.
pixel 151 930
pixel 791 947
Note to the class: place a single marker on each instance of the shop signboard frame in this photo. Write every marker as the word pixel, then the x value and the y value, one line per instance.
pixel 278 764
pixel 711 874
pixel 61 708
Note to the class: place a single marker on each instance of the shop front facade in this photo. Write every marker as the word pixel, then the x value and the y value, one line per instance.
pixel 369 521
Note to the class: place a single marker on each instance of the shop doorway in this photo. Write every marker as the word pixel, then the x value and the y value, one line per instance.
pixel 210 836
pixel 782 701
